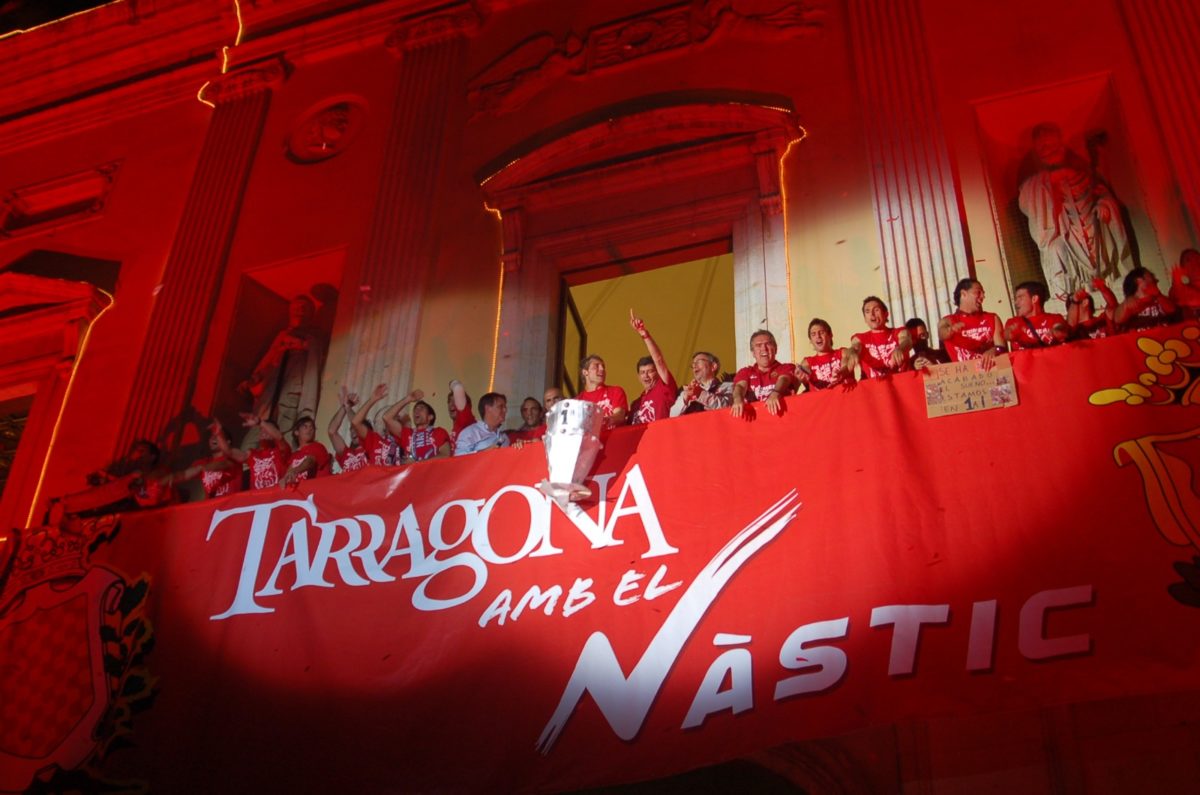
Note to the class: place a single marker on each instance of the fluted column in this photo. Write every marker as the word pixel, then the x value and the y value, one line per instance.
pixel 916 203
pixel 1166 39
pixel 183 308
pixel 402 244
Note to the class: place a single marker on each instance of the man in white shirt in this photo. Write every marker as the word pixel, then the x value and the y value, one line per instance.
pixel 485 434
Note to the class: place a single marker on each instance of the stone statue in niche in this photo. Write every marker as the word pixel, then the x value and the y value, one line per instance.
pixel 286 384
pixel 1073 216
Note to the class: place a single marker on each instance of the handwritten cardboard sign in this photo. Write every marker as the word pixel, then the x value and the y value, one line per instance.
pixel 961 387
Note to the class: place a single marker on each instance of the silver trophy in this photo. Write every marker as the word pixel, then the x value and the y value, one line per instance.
pixel 572 443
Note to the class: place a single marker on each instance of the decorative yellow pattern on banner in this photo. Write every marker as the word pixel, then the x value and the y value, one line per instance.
pixel 1172 377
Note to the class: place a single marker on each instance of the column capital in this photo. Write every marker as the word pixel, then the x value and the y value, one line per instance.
pixel 258 76
pixel 415 33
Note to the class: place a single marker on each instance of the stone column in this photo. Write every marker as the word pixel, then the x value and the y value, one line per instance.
pixel 402 241
pixel 183 309
pixel 1166 38
pixel 916 201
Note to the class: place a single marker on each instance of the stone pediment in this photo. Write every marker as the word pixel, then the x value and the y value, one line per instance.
pixel 656 126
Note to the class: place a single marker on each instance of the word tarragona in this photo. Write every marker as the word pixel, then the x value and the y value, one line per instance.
pixel 362 547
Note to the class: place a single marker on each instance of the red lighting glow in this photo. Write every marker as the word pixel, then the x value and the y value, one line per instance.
pixel 787 257
pixel 87 335
pixel 499 301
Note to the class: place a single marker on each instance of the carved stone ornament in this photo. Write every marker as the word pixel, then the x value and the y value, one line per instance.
pixel 326 130
pixel 57 202
pixel 255 77
pixel 527 69
pixel 426 31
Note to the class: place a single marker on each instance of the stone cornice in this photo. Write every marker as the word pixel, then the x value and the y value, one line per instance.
pixel 127 58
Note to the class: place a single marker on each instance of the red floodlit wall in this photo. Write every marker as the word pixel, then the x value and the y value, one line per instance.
pixel 395 221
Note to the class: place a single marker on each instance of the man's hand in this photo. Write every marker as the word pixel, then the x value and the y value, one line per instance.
pixel 897 358
pixel 774 403
pixel 249 419
pixel 691 392
pixel 416 394
pixel 738 407
pixel 638 325
pixel 379 392
pixel 988 360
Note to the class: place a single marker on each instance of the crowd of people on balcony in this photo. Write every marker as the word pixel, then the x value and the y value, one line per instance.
pixel 406 432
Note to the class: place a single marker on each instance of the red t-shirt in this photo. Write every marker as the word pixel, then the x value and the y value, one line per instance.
pixel 463 419
pixel 152 492
pixel 318 453
pixel 976 338
pixel 1094 329
pixel 268 463
pixel 654 403
pixel 608 398
pixel 220 482
pixel 1017 330
pixel 826 369
pixel 531 435
pixel 761 383
pixel 875 357
pixel 352 459
pixel 380 450
pixel 424 444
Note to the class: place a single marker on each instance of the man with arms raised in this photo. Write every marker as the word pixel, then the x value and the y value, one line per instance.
pixel 880 350
pixel 485 434
pixel 971 333
pixel 611 400
pixel 658 385
pixel 706 391
pixel 768 379
pixel 1033 327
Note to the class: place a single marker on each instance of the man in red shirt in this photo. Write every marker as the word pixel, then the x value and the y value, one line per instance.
pixel 1033 327
pixel 383 450
pixel 880 350
pixel 219 474
pixel 1081 312
pixel 351 456
pixel 1185 284
pixel 971 333
pixel 268 460
pixel 310 459
pixel 1144 306
pixel 658 385
pixel 458 403
pixel 828 367
pixel 423 440
pixel 533 422
pixel 611 400
pixel 768 379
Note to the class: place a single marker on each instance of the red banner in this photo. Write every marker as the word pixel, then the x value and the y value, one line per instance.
pixel 733 585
